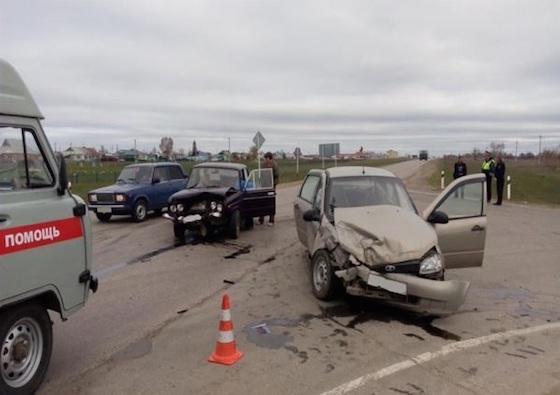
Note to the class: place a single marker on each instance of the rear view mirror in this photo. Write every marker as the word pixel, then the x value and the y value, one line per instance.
pixel 63 183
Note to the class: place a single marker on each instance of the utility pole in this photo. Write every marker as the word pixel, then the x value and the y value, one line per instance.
pixel 135 152
pixel 516 150
pixel 229 148
pixel 540 140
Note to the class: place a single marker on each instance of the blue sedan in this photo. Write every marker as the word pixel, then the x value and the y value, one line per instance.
pixel 140 188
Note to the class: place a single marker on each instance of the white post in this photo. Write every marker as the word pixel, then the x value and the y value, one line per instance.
pixel 508 188
pixel 297 162
pixel 442 179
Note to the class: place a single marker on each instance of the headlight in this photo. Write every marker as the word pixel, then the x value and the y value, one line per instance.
pixel 173 208
pixel 120 197
pixel 219 207
pixel 180 207
pixel 431 264
pixel 213 206
pixel 93 197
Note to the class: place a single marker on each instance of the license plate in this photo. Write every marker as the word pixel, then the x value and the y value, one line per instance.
pixel 104 210
pixel 192 218
pixel 389 285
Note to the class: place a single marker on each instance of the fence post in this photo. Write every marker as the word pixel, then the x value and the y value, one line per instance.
pixel 442 179
pixel 508 188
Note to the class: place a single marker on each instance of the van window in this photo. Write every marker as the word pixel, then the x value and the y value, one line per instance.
pixel 22 162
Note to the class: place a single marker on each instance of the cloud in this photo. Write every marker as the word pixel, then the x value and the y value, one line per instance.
pixel 382 74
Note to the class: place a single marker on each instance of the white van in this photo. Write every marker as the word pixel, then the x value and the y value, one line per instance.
pixel 45 240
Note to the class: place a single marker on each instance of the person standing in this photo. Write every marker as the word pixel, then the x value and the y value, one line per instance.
pixel 500 173
pixel 488 167
pixel 269 163
pixel 459 170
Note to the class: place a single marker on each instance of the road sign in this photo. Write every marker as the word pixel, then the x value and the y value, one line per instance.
pixel 258 140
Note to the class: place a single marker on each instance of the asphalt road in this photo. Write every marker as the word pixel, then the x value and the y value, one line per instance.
pixel 153 323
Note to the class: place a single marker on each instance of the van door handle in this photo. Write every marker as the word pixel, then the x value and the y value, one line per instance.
pixel 477 228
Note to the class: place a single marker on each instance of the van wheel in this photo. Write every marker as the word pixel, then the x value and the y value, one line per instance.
pixel 103 217
pixel 325 284
pixel 234 226
pixel 26 336
pixel 140 210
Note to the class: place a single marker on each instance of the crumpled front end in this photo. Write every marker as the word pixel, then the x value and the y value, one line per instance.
pixel 385 252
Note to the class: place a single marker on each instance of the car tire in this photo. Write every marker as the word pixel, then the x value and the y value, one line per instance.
pixel 103 217
pixel 234 225
pixel 179 231
pixel 140 210
pixel 25 348
pixel 325 284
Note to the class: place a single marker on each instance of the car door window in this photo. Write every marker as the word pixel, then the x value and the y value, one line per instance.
pixel 22 163
pixel 318 200
pixel 175 173
pixel 260 178
pixel 161 174
pixel 309 187
pixel 464 202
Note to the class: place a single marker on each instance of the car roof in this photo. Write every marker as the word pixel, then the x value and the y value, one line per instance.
pixel 349 171
pixel 222 165
pixel 15 98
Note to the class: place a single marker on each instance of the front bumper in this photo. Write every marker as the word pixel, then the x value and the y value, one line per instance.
pixel 117 209
pixel 406 291
pixel 214 219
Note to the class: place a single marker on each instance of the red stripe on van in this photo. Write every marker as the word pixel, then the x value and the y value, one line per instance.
pixel 26 237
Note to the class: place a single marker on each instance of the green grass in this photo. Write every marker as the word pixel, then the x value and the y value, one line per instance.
pixel 531 182
pixel 87 176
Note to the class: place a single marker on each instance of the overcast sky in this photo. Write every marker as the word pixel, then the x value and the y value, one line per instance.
pixel 447 76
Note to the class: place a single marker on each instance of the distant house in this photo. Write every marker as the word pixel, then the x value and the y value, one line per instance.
pixel 12 150
pixel 81 154
pixel 391 154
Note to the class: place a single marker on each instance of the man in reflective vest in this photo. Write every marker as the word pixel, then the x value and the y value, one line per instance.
pixel 488 168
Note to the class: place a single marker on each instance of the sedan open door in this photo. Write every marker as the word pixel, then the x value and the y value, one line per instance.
pixel 463 236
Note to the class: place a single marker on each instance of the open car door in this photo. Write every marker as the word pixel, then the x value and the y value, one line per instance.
pixel 260 196
pixel 463 238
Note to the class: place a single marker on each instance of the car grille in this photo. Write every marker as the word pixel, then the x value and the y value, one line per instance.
pixel 409 267
pixel 105 198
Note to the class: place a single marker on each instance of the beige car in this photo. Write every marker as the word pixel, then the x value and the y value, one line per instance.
pixel 365 236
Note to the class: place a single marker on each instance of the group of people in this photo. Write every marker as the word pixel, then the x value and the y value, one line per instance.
pixel 490 168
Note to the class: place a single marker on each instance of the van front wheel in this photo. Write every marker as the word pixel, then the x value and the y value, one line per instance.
pixel 25 348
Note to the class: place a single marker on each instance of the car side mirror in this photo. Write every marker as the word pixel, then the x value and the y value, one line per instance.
pixel 438 217
pixel 63 175
pixel 310 215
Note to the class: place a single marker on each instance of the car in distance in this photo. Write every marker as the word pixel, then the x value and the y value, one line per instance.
pixel 140 188
pixel 364 235
pixel 221 196
pixel 423 155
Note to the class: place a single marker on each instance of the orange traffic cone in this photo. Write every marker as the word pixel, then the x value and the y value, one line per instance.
pixel 226 352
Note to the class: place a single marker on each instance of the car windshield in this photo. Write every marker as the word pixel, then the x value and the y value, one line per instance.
pixel 361 191
pixel 135 175
pixel 213 177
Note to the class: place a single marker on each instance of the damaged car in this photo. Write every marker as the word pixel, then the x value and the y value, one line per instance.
pixel 221 197
pixel 365 236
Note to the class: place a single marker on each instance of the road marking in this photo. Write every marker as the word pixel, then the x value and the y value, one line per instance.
pixel 429 356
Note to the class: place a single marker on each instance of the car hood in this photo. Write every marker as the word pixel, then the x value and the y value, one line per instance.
pixel 201 193
pixel 119 188
pixel 382 234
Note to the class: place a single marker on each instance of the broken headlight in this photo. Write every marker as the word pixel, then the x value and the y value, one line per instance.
pixel 431 264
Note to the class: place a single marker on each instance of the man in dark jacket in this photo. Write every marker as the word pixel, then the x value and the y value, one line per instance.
pixel 499 173
pixel 459 170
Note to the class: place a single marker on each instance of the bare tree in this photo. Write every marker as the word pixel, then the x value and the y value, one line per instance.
pixel 475 153
pixel 166 146
pixel 497 148
pixel 253 153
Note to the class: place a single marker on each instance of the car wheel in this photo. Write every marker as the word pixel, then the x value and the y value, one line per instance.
pixel 140 211
pixel 26 345
pixel 103 217
pixel 325 284
pixel 179 231
pixel 234 226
